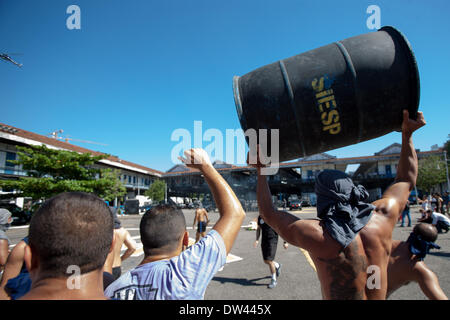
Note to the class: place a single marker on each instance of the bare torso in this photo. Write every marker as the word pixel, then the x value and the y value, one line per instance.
pixel 200 215
pixel 344 274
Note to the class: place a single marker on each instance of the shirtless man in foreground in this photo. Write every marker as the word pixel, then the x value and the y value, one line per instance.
pixel 351 243
pixel 201 217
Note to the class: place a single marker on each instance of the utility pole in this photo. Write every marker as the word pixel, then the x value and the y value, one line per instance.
pixel 446 169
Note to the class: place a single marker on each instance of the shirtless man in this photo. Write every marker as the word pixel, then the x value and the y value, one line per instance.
pixel 351 234
pixel 406 262
pixel 201 217
pixel 122 237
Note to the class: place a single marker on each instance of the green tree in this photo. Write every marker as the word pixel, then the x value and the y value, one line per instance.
pixel 431 173
pixel 51 171
pixel 157 190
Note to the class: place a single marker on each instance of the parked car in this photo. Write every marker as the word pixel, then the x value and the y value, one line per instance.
pixel 295 205
pixel 306 203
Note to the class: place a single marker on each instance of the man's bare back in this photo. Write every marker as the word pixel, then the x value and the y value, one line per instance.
pixel 343 273
pixel 114 259
pixel 345 270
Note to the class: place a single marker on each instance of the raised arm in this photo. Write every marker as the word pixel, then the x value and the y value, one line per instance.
pixel 130 244
pixel 407 168
pixel 300 233
pixel 230 209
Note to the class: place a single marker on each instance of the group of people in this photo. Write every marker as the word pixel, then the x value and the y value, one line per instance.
pixel 434 212
pixel 70 250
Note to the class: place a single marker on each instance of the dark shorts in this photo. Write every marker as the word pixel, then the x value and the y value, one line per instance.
pixel 116 272
pixel 269 247
pixel 201 226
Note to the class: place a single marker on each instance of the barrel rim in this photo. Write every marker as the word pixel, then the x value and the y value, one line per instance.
pixel 237 101
pixel 415 79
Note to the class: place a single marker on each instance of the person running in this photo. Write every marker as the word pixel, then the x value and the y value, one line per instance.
pixel 351 234
pixel 113 263
pixel 70 236
pixel 269 243
pixel 202 219
pixel 406 262
pixel 169 271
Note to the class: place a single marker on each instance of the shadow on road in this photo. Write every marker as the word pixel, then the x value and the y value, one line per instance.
pixel 242 281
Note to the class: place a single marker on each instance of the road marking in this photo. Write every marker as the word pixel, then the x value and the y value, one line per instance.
pixel 308 258
pixel 19 227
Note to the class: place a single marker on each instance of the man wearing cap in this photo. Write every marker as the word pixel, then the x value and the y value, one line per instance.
pixel 351 241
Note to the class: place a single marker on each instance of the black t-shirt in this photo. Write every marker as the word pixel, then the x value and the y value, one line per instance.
pixel 266 231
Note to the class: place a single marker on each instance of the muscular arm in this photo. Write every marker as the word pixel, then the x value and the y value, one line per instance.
pixel 429 284
pixel 230 209
pixel 407 168
pixel 293 230
pixel 131 246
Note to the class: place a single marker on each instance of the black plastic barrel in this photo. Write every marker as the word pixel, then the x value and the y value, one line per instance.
pixel 334 96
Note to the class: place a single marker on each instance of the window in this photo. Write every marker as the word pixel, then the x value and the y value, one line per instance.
pixel 388 170
pixel 9 167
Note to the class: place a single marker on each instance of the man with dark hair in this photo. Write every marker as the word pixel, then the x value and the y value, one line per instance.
pixel 168 272
pixel 70 236
pixel 406 262
pixel 351 235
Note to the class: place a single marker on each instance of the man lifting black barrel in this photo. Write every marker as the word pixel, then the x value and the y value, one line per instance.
pixel 344 93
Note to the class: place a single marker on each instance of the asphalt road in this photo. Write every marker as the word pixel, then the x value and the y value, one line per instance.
pixel 245 276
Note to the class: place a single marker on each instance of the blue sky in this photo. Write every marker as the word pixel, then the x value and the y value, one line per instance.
pixel 138 70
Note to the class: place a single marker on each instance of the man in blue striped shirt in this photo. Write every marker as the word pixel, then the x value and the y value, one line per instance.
pixel 168 272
